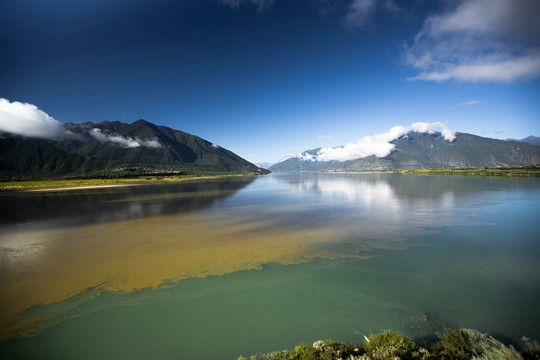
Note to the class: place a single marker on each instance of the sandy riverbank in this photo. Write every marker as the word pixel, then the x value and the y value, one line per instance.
pixel 85 187
pixel 71 185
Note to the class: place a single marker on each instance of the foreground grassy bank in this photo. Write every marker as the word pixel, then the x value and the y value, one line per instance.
pixel 34 185
pixel 461 344
pixel 521 171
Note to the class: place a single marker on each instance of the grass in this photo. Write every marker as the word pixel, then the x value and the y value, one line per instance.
pixel 29 185
pixel 460 344
pixel 520 171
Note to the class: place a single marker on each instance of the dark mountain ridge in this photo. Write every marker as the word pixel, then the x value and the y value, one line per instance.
pixel 35 157
pixel 106 145
pixel 430 151
pixel 157 145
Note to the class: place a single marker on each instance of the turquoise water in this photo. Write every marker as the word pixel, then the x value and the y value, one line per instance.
pixel 371 252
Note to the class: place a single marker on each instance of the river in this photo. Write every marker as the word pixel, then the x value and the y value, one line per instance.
pixel 217 268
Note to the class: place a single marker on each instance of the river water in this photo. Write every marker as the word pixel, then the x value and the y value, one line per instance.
pixel 214 269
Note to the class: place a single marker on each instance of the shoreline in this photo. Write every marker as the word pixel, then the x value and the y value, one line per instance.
pixel 505 172
pixel 89 184
pixel 84 187
pixel 460 343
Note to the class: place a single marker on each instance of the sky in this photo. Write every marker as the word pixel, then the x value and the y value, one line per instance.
pixel 270 78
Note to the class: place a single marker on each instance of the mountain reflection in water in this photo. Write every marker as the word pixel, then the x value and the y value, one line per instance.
pixel 73 208
pixel 54 246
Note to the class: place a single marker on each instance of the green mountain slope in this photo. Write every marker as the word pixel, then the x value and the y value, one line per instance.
pixel 158 145
pixel 36 158
pixel 431 151
pixel 115 149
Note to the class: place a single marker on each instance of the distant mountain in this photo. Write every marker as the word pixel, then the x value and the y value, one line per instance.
pixel 429 151
pixel 533 140
pixel 264 165
pixel 93 147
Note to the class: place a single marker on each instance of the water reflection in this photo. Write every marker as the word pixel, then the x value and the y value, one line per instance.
pixel 75 208
pixel 117 243
pixel 408 199
pixel 369 191
pixel 384 190
pixel 54 246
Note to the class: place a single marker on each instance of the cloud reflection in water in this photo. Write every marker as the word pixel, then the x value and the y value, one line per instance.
pixel 160 235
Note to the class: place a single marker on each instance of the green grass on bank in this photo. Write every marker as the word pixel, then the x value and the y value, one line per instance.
pixel 28 185
pixel 520 171
pixel 461 344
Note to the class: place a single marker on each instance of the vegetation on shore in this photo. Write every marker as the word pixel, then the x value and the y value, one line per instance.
pixel 516 171
pixel 29 185
pixel 460 344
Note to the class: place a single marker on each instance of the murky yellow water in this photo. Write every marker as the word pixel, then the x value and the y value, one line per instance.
pixel 50 266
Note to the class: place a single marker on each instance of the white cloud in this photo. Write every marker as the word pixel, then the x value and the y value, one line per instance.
pixel 325 137
pixel 123 141
pixel 261 4
pixel 468 103
pixel 154 143
pixel 358 13
pixel 378 145
pixel 487 68
pixel 479 40
pixel 361 10
pixel 27 120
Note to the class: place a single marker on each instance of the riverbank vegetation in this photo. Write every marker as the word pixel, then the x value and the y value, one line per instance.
pixel 32 185
pixel 460 344
pixel 518 171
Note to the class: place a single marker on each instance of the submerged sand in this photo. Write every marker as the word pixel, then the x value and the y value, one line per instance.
pixel 50 266
pixel 47 266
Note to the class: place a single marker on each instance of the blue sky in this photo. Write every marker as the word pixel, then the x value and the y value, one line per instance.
pixel 267 78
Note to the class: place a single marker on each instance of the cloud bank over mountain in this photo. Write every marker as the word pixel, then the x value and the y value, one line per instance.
pixel 123 141
pixel 27 120
pixel 378 145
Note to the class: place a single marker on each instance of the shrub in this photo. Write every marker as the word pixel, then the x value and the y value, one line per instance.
pixel 331 349
pixel 301 350
pixel 462 343
pixel 491 348
pixel 531 349
pixel 454 344
pixel 502 353
pixel 389 345
pixel 304 352
pixel 279 355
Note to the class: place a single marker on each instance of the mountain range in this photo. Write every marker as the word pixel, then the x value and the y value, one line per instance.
pixel 116 149
pixel 533 140
pixel 417 150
